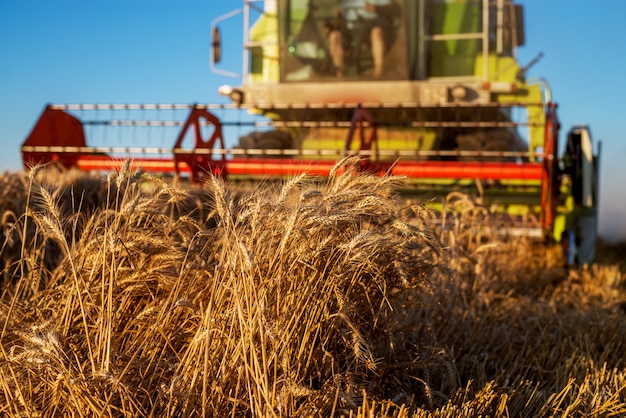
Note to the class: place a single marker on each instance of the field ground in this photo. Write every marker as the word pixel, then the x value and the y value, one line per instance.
pixel 612 253
pixel 129 296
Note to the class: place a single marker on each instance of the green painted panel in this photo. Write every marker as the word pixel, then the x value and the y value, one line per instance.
pixel 451 58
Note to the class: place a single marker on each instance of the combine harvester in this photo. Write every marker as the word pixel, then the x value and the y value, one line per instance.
pixel 426 89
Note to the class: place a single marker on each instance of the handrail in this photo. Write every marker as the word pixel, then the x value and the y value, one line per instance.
pixel 311 105
pixel 281 152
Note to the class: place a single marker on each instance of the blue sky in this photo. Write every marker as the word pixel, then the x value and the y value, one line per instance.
pixel 156 51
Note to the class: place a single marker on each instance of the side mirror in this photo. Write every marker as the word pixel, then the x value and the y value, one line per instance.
pixel 216 45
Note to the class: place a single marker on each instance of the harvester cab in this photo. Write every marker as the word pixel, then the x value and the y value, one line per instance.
pixel 428 89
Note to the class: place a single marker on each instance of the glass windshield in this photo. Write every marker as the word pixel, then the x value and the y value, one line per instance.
pixel 455 35
pixel 343 40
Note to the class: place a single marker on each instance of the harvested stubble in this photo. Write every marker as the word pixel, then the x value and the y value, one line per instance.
pixel 129 296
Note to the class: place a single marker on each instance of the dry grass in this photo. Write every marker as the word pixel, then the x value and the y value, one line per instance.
pixel 130 296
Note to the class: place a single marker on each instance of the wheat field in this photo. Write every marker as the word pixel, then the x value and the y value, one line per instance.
pixel 129 295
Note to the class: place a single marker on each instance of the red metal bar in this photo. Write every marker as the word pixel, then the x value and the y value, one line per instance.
pixel 289 167
pixel 154 165
pixel 199 165
pixel 549 180
pixel 487 170
pixel 278 167
pixel 411 169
